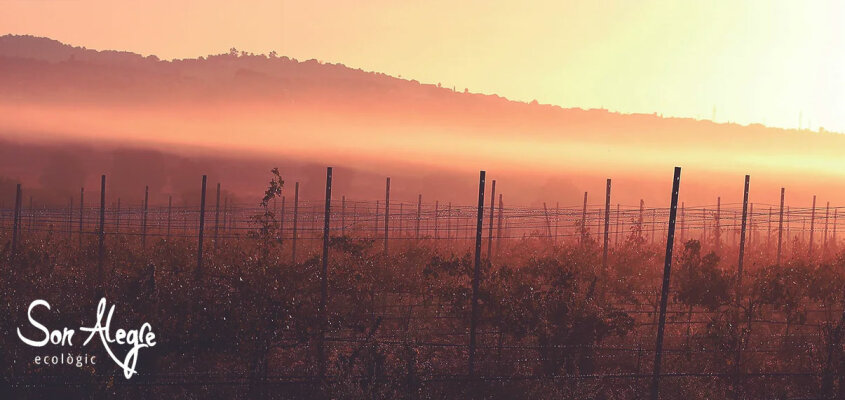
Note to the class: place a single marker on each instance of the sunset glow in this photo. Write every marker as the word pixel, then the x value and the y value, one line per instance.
pixel 755 61
pixel 480 199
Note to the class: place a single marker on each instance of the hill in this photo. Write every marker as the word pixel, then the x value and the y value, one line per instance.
pixel 265 110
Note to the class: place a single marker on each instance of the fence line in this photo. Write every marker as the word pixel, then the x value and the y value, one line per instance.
pixel 516 223
pixel 584 224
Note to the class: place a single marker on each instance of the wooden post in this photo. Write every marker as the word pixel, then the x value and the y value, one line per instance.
pixel 16 219
pixel 81 210
pixel 324 286
pixel 146 208
pixel 606 224
pixel 419 211
pixel 295 221
pixel 169 214
pixel 824 239
pixel 499 227
pixel 548 221
pixel 217 215
pixel 780 224
pixel 718 235
pixel 477 274
pixel 812 228
pixel 386 214
pixel 101 247
pixel 492 210
pixel 201 227
pixel 664 295
pixel 742 237
pixel 584 220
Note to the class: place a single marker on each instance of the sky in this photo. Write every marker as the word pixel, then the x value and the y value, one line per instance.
pixel 780 63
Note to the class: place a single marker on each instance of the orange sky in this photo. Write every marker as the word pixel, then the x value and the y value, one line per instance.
pixel 776 62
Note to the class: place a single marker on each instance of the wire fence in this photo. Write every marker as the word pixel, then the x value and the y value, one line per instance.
pixel 811 231
pixel 445 223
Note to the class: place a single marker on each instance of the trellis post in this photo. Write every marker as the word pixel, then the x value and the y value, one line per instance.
pixel 492 210
pixel 324 286
pixel 476 274
pixel 386 215
pixel 169 213
pixel 146 210
pixel 584 220
pixel 780 224
pixel 295 221
pixel 742 236
pixel 101 251
pixel 217 215
pixel 201 227
pixel 664 295
pixel 606 224
pixel 812 228
pixel 419 211
pixel 81 210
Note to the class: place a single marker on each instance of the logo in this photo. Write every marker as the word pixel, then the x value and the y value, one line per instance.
pixel 136 338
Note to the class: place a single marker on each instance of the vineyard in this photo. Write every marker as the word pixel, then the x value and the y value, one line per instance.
pixel 342 298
